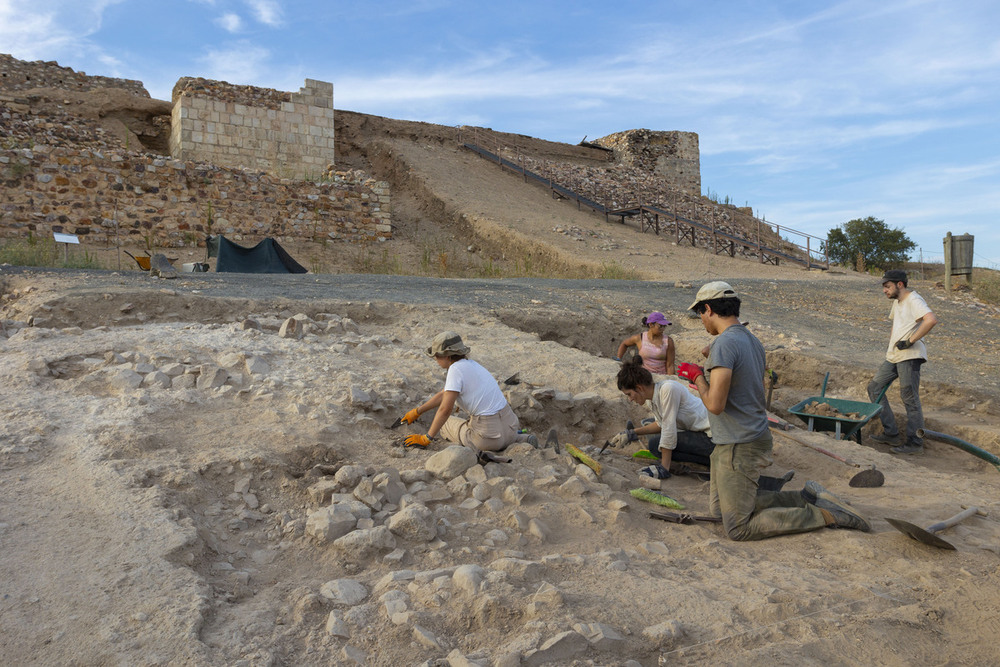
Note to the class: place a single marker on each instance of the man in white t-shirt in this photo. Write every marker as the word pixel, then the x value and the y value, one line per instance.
pixel 911 320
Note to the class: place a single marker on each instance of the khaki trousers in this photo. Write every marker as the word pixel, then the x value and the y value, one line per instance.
pixel 484 433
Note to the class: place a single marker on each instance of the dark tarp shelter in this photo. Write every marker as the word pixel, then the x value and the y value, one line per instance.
pixel 265 257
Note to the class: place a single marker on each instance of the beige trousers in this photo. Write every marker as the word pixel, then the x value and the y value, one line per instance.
pixel 485 433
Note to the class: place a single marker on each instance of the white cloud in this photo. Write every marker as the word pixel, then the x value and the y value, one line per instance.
pixel 54 30
pixel 230 22
pixel 240 63
pixel 267 12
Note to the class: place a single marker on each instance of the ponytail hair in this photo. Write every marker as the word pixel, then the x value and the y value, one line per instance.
pixel 633 373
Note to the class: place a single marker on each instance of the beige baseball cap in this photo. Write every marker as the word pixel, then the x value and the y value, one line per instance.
pixel 713 290
pixel 446 344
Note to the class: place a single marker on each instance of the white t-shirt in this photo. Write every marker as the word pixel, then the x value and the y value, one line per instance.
pixel 905 316
pixel 676 408
pixel 478 391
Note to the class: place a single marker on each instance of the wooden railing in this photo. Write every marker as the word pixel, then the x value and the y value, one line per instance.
pixel 768 243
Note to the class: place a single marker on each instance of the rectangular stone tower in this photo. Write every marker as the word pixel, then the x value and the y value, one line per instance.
pixel 289 135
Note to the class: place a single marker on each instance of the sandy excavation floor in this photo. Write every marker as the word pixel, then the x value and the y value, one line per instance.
pixel 167 486
pixel 182 484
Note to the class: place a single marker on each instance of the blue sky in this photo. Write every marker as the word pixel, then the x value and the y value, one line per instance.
pixel 813 113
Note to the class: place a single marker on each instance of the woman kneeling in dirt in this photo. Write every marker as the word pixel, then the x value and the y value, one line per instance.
pixel 679 431
pixel 492 424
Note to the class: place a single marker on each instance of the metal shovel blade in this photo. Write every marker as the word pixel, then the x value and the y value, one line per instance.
pixel 552 441
pixel 868 479
pixel 919 534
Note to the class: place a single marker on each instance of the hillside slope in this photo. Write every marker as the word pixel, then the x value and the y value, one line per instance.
pixel 448 200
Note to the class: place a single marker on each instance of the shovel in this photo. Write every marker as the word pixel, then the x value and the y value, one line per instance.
pixel 552 441
pixel 868 478
pixel 772 379
pixel 927 535
pixel 682 517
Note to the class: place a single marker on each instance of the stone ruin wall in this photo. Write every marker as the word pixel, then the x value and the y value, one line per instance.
pixel 287 134
pixel 18 75
pixel 672 156
pixel 60 174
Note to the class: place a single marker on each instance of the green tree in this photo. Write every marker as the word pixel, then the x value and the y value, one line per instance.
pixel 870 239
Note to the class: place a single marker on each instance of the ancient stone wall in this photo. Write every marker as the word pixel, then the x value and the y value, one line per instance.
pixel 109 197
pixel 672 156
pixel 63 173
pixel 21 75
pixel 286 134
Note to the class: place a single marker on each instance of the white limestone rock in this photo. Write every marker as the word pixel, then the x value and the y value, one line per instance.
pixel 451 462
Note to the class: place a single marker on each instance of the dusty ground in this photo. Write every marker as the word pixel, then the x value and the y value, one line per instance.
pixel 151 515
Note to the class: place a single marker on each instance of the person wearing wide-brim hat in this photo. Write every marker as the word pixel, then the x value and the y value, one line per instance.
pixel 654 345
pixel 491 425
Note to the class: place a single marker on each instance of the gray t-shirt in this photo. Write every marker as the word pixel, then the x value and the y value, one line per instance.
pixel 744 418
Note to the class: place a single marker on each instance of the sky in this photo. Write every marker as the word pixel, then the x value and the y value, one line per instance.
pixel 812 113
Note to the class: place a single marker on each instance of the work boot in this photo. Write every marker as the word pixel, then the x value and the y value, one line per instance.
pixel 886 439
pixel 532 440
pixel 907 448
pixel 843 516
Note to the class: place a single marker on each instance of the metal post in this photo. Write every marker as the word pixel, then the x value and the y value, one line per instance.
pixel 760 255
pixel 947 263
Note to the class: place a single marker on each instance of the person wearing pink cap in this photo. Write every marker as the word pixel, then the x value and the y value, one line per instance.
pixel 654 345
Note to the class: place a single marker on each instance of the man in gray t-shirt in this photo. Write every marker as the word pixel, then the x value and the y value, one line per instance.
pixel 744 417
pixel 733 393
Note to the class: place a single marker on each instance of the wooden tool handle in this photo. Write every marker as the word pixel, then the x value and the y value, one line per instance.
pixel 947 523
pixel 817 448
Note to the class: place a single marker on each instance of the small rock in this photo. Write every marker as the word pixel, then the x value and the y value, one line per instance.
pixel 344 592
pixel 468 578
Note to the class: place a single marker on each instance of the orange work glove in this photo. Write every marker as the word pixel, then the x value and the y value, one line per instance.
pixel 410 416
pixel 416 440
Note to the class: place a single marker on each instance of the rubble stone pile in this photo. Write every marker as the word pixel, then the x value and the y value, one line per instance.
pixel 223 91
pixel 21 75
pixel 619 185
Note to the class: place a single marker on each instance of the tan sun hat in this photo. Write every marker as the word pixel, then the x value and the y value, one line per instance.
pixel 713 290
pixel 446 344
